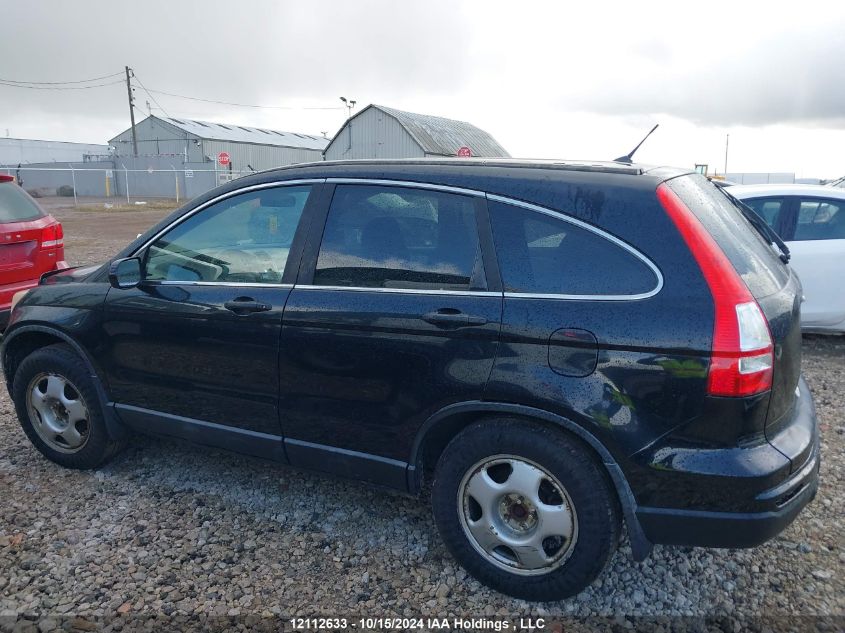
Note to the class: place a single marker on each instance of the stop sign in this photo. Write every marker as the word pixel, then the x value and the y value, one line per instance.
pixel 223 158
pixel 464 152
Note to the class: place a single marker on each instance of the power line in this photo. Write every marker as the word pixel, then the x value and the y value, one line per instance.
pixel 63 85
pixel 150 95
pixel 240 105
pixel 10 85
pixel 56 83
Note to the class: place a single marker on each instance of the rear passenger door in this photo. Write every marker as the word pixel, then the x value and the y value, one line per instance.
pixel 573 295
pixel 818 256
pixel 392 318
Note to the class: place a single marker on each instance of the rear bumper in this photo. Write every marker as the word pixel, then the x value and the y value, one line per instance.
pixel 7 291
pixel 734 529
pixel 746 521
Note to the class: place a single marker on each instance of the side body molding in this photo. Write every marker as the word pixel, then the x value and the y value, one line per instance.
pixel 640 545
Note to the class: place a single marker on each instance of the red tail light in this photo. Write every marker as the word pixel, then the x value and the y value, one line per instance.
pixel 52 236
pixel 742 354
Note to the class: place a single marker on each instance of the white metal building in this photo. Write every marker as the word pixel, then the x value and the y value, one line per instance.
pixel 382 132
pixel 249 148
pixel 14 151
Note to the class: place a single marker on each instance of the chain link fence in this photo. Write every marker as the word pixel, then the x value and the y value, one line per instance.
pixel 179 182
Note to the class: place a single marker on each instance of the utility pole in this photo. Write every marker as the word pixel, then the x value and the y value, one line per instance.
pixel 131 111
pixel 727 138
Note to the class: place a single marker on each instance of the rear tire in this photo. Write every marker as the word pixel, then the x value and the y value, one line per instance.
pixel 526 509
pixel 59 409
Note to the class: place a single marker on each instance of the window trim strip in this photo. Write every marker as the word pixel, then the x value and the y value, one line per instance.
pixel 531 207
pixel 435 187
pixel 413 291
pixel 223 196
pixel 409 184
pixel 238 284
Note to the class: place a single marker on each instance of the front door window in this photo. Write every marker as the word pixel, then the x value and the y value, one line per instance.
pixel 242 239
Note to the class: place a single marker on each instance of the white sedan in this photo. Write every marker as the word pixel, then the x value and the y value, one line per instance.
pixel 811 220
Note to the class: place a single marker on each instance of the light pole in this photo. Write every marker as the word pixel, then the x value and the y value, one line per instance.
pixel 350 105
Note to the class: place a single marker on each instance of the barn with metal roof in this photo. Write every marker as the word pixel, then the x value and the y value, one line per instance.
pixel 249 148
pixel 381 132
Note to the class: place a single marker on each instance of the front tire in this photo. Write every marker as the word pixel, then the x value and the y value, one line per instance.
pixel 59 410
pixel 526 509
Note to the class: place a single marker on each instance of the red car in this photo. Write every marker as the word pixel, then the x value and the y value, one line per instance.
pixel 31 244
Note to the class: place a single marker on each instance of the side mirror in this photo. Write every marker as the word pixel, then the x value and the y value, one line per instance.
pixel 125 273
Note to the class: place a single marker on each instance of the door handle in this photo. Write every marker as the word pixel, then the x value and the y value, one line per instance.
pixel 246 305
pixel 449 317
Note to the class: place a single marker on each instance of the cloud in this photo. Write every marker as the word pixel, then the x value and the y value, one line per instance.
pixel 554 79
pixel 787 77
pixel 274 53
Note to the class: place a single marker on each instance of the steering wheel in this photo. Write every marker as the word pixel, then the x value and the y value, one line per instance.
pixel 238 256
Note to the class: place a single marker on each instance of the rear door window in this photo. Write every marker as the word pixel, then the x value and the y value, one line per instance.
pixel 399 237
pixel 754 260
pixel 16 205
pixel 820 219
pixel 545 254
pixel 772 210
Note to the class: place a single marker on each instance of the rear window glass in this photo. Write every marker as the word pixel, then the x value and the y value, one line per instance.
pixel 756 261
pixel 543 254
pixel 16 205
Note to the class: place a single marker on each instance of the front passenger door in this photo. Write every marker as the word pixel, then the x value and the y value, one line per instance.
pixel 192 350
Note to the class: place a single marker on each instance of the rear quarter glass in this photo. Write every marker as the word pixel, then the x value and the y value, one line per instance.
pixel 756 261
pixel 16 205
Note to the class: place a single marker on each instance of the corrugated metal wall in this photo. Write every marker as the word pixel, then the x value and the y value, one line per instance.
pixel 156 138
pixel 374 135
pixel 260 157
pixel 23 150
pixel 44 179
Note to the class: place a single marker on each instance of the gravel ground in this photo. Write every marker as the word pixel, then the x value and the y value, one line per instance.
pixel 169 528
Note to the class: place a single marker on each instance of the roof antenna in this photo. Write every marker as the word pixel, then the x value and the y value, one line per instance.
pixel 627 157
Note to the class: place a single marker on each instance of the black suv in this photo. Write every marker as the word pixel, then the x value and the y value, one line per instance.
pixel 555 347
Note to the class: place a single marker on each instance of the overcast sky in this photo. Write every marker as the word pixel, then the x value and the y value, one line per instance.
pixel 556 79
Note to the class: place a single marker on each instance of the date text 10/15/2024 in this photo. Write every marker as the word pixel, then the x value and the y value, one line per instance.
pixel 406 624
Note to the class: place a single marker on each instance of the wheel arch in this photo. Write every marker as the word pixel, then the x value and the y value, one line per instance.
pixel 26 339
pixel 440 428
